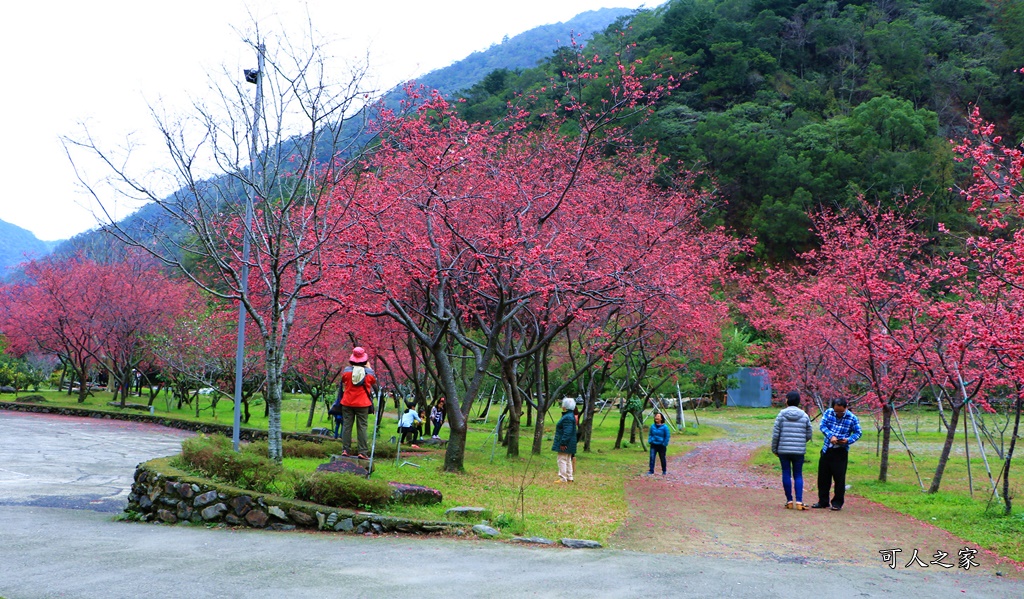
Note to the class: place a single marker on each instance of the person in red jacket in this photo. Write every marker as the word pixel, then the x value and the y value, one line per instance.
pixel 357 381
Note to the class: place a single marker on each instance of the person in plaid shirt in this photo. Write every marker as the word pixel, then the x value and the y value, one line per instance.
pixel 841 429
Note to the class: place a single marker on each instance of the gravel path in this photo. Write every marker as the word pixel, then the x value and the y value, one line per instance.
pixel 713 504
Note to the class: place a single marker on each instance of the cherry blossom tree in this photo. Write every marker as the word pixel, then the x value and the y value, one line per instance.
pixel 92 315
pixel 995 195
pixel 853 298
pixel 798 350
pixel 59 309
pixel 323 338
pixel 197 351
pixel 465 226
pixel 141 302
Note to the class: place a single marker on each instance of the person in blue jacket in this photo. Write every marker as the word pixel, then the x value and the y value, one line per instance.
pixel 841 430
pixel 657 439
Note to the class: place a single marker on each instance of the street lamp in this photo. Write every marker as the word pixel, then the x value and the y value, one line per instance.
pixel 254 76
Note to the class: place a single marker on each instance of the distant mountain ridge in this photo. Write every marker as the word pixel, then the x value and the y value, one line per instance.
pixel 521 51
pixel 17 245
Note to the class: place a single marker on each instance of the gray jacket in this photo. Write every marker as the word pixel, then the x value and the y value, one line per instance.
pixel 792 431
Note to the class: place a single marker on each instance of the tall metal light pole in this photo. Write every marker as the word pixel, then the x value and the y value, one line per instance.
pixel 256 78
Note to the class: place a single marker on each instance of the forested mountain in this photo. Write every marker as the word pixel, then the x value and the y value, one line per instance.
pixel 16 244
pixel 797 104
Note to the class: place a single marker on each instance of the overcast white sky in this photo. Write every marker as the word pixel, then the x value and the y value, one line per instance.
pixel 104 62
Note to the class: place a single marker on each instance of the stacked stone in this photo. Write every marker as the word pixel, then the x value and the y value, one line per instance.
pixel 159 498
pixel 163 500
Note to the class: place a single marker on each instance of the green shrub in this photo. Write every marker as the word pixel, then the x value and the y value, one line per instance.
pixel 343 490
pixel 291 448
pixel 384 451
pixel 310 449
pixel 198 451
pixel 214 456
pixel 246 470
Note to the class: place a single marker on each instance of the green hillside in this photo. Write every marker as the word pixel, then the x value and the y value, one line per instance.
pixel 794 105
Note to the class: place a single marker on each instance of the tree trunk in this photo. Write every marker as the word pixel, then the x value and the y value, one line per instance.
pixel 1007 500
pixel 63 376
pixel 273 401
pixel 538 432
pixel 883 467
pixel 455 453
pixel 947 446
pixel 487 406
pixel 83 386
pixel 515 409
pixel 154 394
pixel 637 417
pixel 622 429
pixel 717 392
pixel 587 422
pixel 512 438
pixel 123 387
pixel 315 394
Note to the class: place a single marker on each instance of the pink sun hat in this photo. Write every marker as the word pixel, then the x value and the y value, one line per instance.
pixel 358 356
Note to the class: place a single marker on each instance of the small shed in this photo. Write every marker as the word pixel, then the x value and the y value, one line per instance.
pixel 751 388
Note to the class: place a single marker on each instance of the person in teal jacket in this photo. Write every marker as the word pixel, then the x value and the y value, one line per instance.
pixel 565 440
pixel 657 439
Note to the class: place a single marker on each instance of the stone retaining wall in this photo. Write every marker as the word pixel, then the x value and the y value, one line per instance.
pixel 162 493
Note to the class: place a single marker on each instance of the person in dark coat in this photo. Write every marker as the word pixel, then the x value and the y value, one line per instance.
pixel 790 435
pixel 565 440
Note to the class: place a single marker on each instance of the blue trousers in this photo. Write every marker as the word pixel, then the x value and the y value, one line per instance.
pixel 793 462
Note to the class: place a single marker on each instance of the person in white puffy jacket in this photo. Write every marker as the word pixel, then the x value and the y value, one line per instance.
pixel 790 435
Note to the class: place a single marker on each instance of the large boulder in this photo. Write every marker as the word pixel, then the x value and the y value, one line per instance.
pixel 414 494
pixel 347 466
pixel 468 513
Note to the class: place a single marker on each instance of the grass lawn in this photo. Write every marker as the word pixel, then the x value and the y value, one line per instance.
pixel 521 492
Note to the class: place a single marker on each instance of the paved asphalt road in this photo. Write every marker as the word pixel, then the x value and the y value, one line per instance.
pixel 61 479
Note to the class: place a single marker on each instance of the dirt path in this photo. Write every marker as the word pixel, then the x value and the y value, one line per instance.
pixel 712 504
